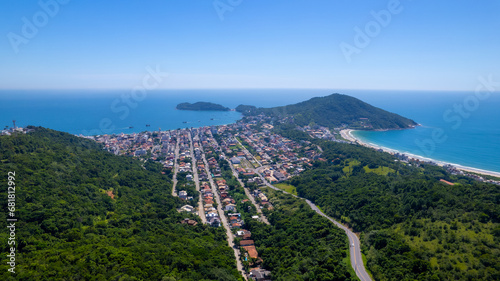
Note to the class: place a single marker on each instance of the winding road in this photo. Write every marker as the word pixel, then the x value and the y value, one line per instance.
pixel 354 244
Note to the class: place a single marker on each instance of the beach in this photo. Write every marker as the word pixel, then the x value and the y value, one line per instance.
pixel 347 134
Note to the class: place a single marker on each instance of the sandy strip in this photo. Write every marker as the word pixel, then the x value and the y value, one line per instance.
pixel 347 134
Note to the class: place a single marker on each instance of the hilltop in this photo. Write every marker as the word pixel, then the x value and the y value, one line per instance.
pixel 201 106
pixel 334 111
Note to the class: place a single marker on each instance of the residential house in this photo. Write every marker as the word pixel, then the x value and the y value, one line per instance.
pixel 230 207
pixel 183 194
pixel 187 208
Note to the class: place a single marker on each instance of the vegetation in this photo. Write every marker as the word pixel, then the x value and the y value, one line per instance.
pixel 413 226
pixel 85 214
pixel 201 106
pixel 300 244
pixel 334 111
pixel 287 187
pixel 189 186
pixel 246 109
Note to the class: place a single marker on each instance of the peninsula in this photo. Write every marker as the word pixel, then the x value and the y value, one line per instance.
pixel 335 110
pixel 201 106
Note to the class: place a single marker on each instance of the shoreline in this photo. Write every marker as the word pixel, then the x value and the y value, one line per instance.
pixel 347 134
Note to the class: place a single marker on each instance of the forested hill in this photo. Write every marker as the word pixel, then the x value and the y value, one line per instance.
pixel 201 106
pixel 413 226
pixel 85 214
pixel 335 110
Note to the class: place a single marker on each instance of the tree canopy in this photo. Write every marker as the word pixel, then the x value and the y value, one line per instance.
pixel 85 214
pixel 334 111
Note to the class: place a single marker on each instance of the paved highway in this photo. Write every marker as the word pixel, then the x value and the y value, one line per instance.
pixel 354 244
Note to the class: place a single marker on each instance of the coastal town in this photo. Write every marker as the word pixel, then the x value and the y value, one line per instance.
pixel 219 173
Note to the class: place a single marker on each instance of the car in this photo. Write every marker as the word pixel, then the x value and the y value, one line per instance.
pixel 352 244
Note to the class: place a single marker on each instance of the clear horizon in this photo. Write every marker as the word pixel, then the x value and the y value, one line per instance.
pixel 368 45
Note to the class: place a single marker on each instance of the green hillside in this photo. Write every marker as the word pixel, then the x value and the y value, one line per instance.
pixel 333 111
pixel 70 227
pixel 413 226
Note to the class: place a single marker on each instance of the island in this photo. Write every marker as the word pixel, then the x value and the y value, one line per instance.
pixel 201 106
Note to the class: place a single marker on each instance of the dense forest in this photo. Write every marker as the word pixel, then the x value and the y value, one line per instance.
pixel 300 244
pixel 334 111
pixel 201 106
pixel 85 214
pixel 412 225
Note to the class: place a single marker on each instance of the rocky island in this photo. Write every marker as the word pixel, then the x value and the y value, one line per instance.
pixel 201 106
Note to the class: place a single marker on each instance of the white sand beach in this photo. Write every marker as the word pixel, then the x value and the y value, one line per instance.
pixel 347 134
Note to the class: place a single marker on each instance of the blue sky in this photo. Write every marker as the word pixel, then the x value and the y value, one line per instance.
pixel 426 45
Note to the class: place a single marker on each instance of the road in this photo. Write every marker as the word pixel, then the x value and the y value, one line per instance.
pixel 354 244
pixel 247 192
pixel 248 152
pixel 201 211
pixel 176 166
pixel 223 219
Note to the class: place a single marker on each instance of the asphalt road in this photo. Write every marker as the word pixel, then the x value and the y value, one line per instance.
pixel 247 192
pixel 176 167
pixel 201 211
pixel 354 244
pixel 224 221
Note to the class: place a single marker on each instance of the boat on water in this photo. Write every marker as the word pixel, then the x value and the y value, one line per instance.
pixel 147 125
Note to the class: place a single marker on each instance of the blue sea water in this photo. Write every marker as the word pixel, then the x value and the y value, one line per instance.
pixel 456 128
pixel 471 140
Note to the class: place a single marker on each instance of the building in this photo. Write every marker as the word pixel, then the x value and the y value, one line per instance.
pixel 235 160
pixel 183 194
pixel 187 208
pixel 189 222
pixel 260 275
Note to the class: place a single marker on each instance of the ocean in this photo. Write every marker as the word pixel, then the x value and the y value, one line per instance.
pixel 456 127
